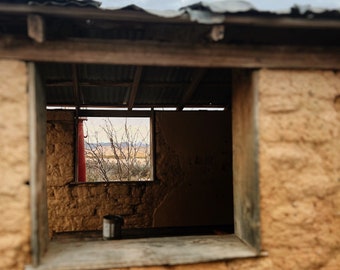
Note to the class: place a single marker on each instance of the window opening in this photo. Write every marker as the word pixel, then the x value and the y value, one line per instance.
pixel 244 242
pixel 117 149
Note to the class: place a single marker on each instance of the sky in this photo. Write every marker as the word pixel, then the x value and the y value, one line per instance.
pixel 138 126
pixel 259 4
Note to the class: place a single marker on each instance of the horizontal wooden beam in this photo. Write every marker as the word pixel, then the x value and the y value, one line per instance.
pixel 114 113
pixel 67 83
pixel 282 22
pixel 169 54
pixel 90 83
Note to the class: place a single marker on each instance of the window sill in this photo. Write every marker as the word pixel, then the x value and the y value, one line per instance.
pixel 86 255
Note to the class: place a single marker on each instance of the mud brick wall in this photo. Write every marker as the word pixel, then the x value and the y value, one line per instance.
pixel 14 166
pixel 183 182
pixel 298 120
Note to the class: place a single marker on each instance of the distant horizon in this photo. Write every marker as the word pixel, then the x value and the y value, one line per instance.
pixel 139 126
pixel 105 144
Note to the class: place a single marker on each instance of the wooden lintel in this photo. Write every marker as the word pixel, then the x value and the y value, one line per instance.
pixel 135 85
pixel 196 79
pixel 91 83
pixel 169 54
pixel 282 22
pixel 87 84
pixel 111 113
pixel 36 27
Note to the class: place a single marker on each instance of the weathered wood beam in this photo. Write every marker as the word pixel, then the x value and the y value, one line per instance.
pixel 168 54
pixel 87 84
pixel 111 113
pixel 135 86
pixel 36 27
pixel 283 22
pixel 196 79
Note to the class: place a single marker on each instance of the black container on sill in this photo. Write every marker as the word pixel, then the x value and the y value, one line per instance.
pixel 112 227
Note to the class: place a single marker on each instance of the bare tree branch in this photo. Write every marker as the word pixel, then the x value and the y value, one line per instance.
pixel 126 158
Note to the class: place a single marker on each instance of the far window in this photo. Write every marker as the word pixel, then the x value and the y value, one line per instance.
pixel 117 149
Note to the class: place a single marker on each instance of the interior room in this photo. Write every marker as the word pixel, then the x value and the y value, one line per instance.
pixel 189 190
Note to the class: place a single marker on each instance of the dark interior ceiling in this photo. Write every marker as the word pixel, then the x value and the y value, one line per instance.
pixel 135 86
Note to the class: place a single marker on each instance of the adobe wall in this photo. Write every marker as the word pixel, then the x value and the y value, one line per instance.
pixel 14 169
pixel 299 115
pixel 185 169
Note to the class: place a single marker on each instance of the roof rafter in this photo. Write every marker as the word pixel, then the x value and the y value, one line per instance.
pixel 135 86
pixel 196 79
pixel 75 85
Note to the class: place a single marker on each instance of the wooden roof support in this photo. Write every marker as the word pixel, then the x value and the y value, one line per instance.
pixel 88 83
pixel 36 27
pixel 135 86
pixel 196 79
pixel 75 85
pixel 172 54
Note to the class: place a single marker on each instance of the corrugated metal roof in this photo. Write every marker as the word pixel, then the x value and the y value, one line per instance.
pixel 205 12
pixel 106 73
pixel 105 96
pixel 60 96
pixel 215 12
pixel 111 86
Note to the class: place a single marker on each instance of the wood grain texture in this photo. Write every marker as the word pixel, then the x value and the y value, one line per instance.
pixel 37 121
pixel 36 28
pixel 245 158
pixel 169 54
pixel 67 255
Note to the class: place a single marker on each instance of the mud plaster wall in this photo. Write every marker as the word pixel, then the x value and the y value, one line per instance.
pixel 192 177
pixel 14 166
pixel 299 115
pixel 299 141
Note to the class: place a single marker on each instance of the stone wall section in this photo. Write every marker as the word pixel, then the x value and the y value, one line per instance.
pixel 14 166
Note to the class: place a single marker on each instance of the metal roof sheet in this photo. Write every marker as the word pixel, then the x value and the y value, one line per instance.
pixel 215 12
pixel 111 86
pixel 206 12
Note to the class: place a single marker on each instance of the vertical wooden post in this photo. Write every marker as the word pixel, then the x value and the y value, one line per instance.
pixel 245 158
pixel 37 133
